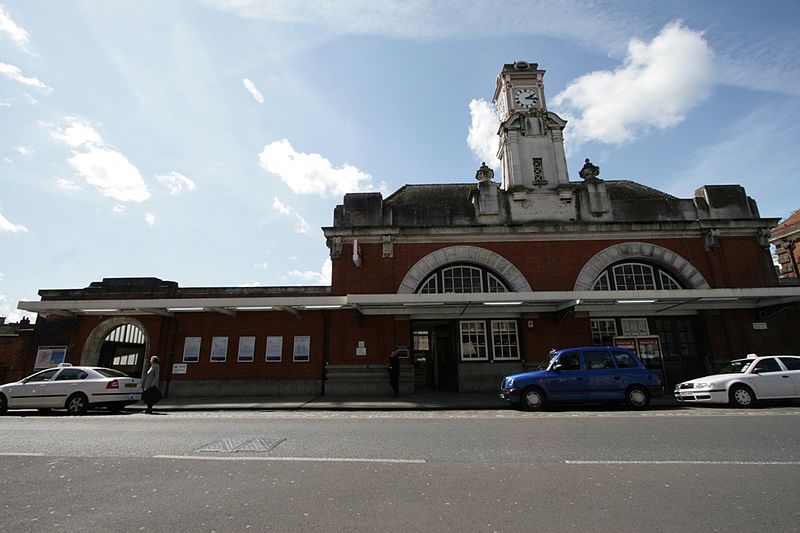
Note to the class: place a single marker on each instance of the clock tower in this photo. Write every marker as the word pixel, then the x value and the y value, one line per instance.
pixel 531 152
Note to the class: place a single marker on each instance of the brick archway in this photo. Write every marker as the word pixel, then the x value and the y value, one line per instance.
pixel 639 250
pixel 91 348
pixel 467 254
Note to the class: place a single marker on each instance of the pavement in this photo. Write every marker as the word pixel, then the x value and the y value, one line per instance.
pixel 418 401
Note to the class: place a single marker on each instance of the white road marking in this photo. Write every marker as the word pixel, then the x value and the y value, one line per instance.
pixel 307 459
pixel 760 463
pixel 21 454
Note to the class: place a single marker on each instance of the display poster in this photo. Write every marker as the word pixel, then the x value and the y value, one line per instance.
pixel 274 349
pixel 361 349
pixel 219 349
pixel 302 348
pixel 247 347
pixel 49 356
pixel 625 342
pixel 191 349
pixel 179 368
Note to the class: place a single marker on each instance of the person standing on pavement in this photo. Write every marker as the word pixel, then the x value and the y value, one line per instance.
pixel 151 397
pixel 394 373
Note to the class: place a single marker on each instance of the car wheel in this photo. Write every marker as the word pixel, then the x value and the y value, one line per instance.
pixel 742 396
pixel 637 398
pixel 532 399
pixel 77 404
pixel 3 404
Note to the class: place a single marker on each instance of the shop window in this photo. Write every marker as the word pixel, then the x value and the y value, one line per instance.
pixel 247 348
pixel 504 340
pixel 274 349
pixel 473 340
pixel 302 349
pixel 219 349
pixel 191 349
pixel 603 331
pixel 634 327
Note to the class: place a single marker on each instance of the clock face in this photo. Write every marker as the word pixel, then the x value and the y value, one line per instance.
pixel 526 97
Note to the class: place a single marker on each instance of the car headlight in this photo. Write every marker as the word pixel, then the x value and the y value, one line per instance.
pixel 702 385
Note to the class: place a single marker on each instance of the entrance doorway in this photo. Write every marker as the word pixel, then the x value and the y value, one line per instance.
pixel 124 349
pixel 434 356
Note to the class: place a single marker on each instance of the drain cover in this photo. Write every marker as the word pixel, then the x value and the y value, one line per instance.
pixel 240 445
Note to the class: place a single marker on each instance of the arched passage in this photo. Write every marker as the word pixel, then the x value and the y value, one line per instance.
pixel 99 337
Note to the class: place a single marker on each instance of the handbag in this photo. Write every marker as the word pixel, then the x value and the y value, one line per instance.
pixel 151 396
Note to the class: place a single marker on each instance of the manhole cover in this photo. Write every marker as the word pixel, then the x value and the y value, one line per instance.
pixel 240 445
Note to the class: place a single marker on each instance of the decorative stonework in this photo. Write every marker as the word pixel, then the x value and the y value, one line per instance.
pixel 335 245
pixel 639 250
pixel 468 254
pixel 388 246
pixel 711 239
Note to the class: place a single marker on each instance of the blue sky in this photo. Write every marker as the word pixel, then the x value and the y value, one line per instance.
pixel 207 141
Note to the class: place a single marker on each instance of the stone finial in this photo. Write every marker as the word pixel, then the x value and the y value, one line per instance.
pixel 589 171
pixel 484 173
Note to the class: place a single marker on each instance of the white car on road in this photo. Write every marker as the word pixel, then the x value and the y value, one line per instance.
pixel 743 382
pixel 74 388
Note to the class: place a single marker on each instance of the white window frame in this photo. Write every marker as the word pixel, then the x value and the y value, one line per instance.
pixel 634 327
pixel 500 327
pixel 601 283
pixel 666 279
pixel 219 349
pixel 644 270
pixel 603 331
pixel 471 269
pixel 191 349
pixel 301 351
pixel 430 283
pixel 274 344
pixel 247 349
pixel 473 349
pixel 494 284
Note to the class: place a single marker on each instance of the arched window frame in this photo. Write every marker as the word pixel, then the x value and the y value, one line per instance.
pixel 652 277
pixel 449 277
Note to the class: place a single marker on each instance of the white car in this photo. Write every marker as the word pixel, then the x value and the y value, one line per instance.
pixel 743 382
pixel 74 388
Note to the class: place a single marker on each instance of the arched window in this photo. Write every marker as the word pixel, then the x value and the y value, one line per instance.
pixel 462 279
pixel 632 276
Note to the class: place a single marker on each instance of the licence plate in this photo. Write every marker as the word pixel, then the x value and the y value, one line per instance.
pixel 130 385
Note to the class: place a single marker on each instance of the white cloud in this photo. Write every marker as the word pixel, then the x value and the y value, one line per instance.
pixel 77 133
pixel 8 310
pixel 280 207
pixel 15 32
pixel 251 88
pixel 283 209
pixel 111 172
pixel 252 284
pixel 261 266
pixel 323 277
pixel 150 218
pixel 24 151
pixel 15 74
pixel 100 165
pixel 119 208
pixel 482 138
pixel 658 85
pixel 176 182
pixel 7 226
pixel 70 185
pixel 311 173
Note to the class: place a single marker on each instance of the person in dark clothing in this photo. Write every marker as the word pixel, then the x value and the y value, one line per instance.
pixel 394 373
pixel 151 397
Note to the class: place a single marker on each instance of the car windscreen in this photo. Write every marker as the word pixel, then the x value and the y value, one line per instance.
pixel 737 366
pixel 111 373
pixel 544 365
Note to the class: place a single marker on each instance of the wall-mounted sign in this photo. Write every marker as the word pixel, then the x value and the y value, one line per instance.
pixel 759 325
pixel 49 356
pixel 179 368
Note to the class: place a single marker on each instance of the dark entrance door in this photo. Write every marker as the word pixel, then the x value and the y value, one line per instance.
pixel 435 356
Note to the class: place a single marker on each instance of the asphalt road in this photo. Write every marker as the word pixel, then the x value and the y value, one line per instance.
pixel 584 469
